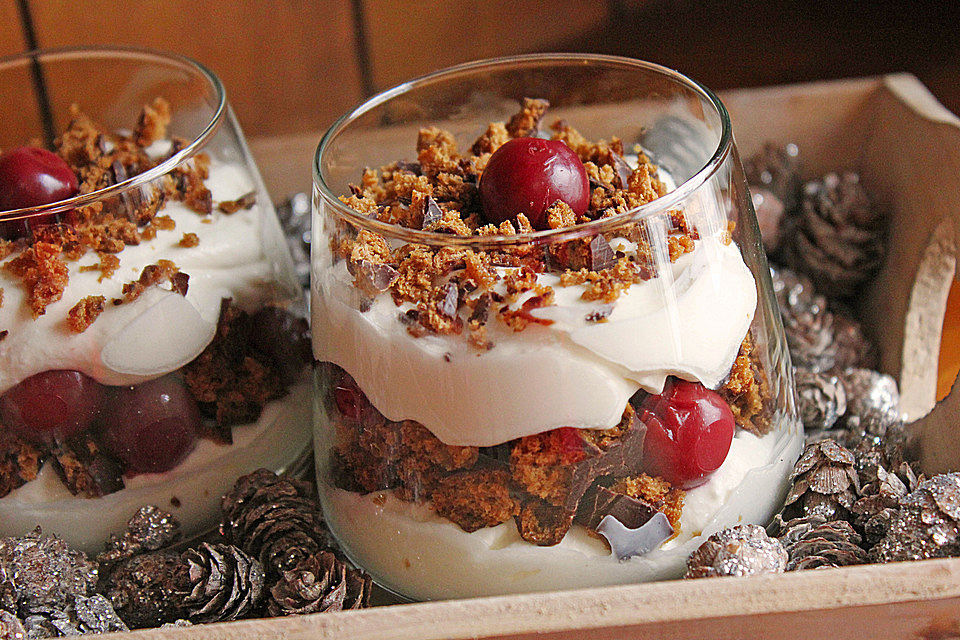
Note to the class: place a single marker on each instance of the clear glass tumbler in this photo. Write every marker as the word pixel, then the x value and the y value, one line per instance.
pixel 565 399
pixel 154 345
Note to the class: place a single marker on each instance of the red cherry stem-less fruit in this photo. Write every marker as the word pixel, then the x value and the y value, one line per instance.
pixel 528 175
pixel 51 405
pixel 689 431
pixel 30 177
pixel 152 426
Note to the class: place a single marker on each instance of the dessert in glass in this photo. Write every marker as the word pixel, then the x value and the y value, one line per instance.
pixel 153 344
pixel 549 352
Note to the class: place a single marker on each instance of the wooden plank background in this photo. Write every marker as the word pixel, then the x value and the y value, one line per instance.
pixel 292 66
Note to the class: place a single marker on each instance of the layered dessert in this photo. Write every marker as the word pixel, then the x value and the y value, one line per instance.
pixel 553 393
pixel 147 354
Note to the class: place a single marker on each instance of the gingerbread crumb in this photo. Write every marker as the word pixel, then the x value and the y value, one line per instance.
pixel 657 492
pixel 83 314
pixel 107 266
pixel 43 272
pixel 246 201
pixel 189 240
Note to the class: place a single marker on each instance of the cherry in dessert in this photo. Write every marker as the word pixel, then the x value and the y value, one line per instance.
pixel 689 431
pixel 349 399
pixel 284 339
pixel 51 405
pixel 528 175
pixel 152 426
pixel 30 177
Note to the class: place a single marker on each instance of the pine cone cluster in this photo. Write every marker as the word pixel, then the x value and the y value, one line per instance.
pixel 83 615
pixel 927 524
pixel 825 483
pixel 275 520
pixel 149 529
pixel 813 542
pixel 319 583
pixel 224 583
pixel 873 404
pixel 738 551
pixel 822 399
pixel 145 589
pixel 836 236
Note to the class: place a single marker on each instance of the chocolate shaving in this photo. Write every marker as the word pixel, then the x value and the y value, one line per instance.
pixel 246 201
pixel 432 213
pixel 449 303
pixel 623 170
pixel 601 255
pixel 405 166
pixel 600 502
pixel 481 311
pixel 180 282
pixel 374 277
pixel 543 524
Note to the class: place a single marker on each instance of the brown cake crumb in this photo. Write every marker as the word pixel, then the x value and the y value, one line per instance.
pixel 527 121
pixel 476 499
pixel 82 314
pixel 164 223
pixel 189 240
pixel 152 125
pixel 152 274
pixel 747 393
pixel 86 470
pixel 246 201
pixel 544 524
pixel 19 462
pixel 107 266
pixel 655 491
pixel 43 273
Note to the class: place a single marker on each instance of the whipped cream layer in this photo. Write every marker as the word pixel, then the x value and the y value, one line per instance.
pixel 687 322
pixel 406 547
pixel 191 491
pixel 239 256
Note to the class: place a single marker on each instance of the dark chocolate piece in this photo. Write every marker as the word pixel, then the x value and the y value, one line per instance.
pixel 543 524
pixel 450 301
pixel 482 309
pixel 375 277
pixel 406 166
pixel 432 213
pixel 601 255
pixel 623 170
pixel 599 502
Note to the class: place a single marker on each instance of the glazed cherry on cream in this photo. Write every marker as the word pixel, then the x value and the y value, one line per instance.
pixel 51 405
pixel 30 177
pixel 152 426
pixel 689 432
pixel 528 175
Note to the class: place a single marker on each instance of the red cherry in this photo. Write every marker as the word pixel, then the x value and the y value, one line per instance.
pixel 350 401
pixel 51 404
pixel 689 431
pixel 528 175
pixel 283 338
pixel 152 426
pixel 30 177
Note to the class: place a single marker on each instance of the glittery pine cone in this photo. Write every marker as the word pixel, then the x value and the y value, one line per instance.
pixel 319 583
pixel 275 520
pixel 927 525
pixel 873 405
pixel 83 615
pixel 813 542
pixel 742 550
pixel 822 399
pixel 150 529
pixel 806 321
pixel 224 583
pixel 10 626
pixel 837 236
pixel 42 571
pixel 776 169
pixel 825 483
pixel 145 590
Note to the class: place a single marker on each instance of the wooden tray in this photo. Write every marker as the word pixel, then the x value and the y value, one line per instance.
pixel 907 148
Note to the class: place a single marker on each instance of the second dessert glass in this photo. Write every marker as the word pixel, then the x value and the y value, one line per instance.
pixel 153 340
pixel 500 412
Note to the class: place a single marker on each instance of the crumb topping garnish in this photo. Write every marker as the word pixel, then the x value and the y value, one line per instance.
pixel 82 314
pixel 102 158
pixel 155 274
pixel 447 290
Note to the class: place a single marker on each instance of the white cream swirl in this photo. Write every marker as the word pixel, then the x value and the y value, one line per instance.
pixel 239 256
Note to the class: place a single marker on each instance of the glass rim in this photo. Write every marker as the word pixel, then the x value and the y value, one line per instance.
pixel 127 53
pixel 660 205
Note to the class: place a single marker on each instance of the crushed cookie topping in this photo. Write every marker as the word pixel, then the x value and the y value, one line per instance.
pixel 82 314
pixel 447 289
pixel 151 275
pixel 100 159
